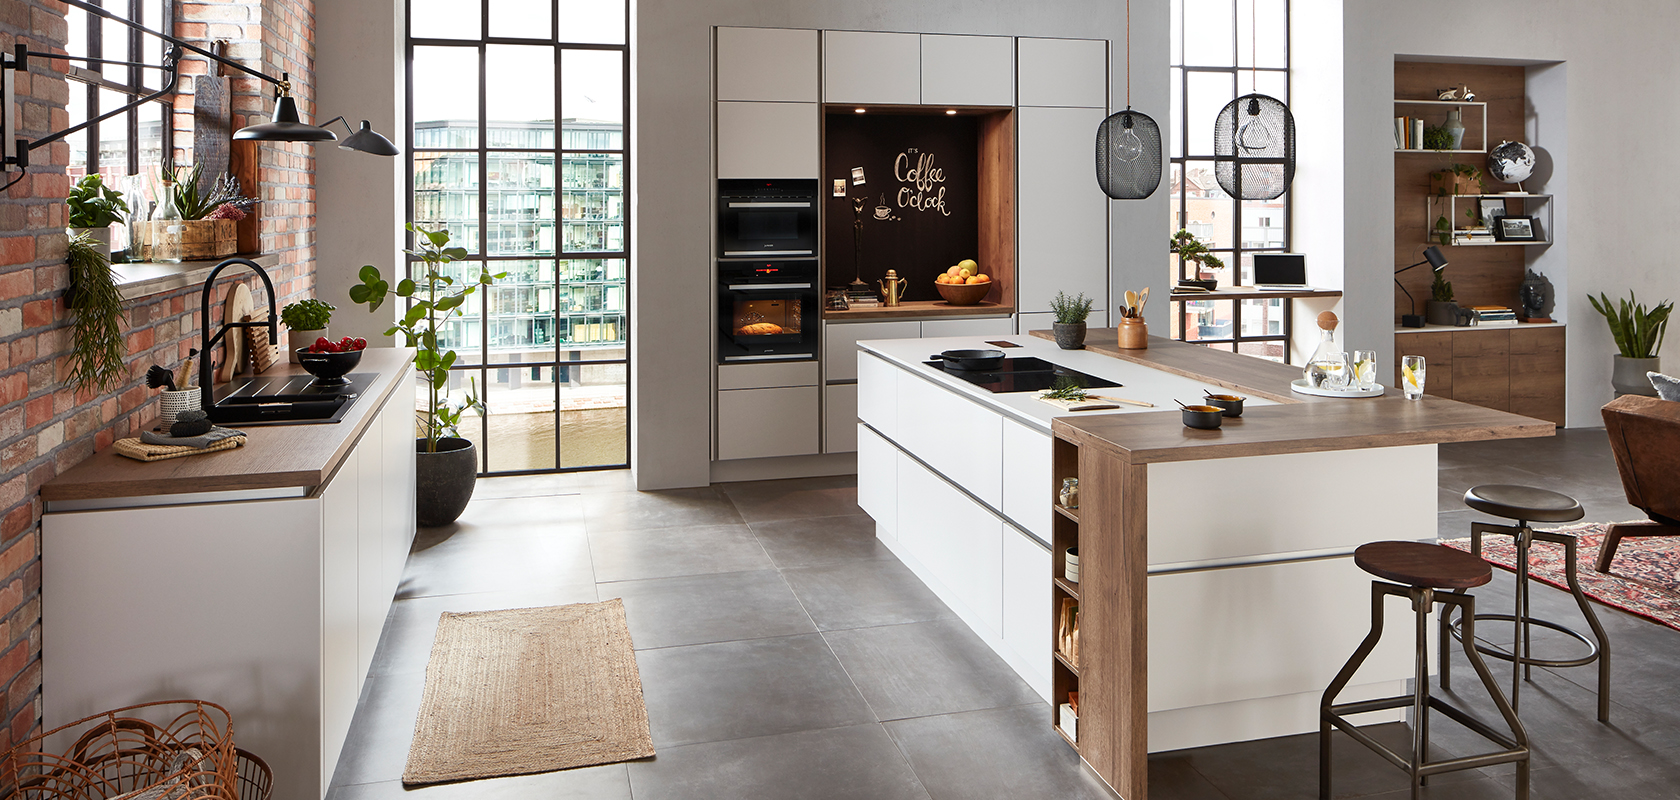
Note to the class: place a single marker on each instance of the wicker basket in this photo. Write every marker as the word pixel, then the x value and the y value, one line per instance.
pixel 256 781
pixel 129 753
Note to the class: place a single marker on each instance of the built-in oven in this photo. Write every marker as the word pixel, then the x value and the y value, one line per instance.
pixel 767 218
pixel 767 310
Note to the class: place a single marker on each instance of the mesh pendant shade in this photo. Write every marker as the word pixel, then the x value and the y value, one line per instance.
pixel 1254 142
pixel 1128 155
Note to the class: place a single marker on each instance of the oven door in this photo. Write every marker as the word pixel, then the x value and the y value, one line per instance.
pixel 767 322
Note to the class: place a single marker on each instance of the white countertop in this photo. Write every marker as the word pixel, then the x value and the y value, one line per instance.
pixel 1137 382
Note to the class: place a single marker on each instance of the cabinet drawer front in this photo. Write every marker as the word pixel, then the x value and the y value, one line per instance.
pixel 1537 373
pixel 840 418
pixel 767 140
pixel 878 393
pixel 954 435
pixel 957 539
pixel 1482 368
pixel 763 423
pixel 878 479
pixel 766 376
pixel 840 343
pixel 988 326
pixel 744 53
pixel 1026 628
pixel 1026 478
pixel 968 70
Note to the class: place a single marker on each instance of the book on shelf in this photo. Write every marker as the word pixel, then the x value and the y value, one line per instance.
pixel 1400 128
pixel 1417 134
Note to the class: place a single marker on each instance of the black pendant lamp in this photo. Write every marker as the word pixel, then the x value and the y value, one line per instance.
pixel 1254 145
pixel 286 125
pixel 1128 144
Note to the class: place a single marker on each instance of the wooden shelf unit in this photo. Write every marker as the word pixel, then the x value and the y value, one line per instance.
pixel 1064 676
pixel 1533 205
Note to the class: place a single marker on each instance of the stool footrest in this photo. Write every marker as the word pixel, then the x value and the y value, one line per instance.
pixel 1493 651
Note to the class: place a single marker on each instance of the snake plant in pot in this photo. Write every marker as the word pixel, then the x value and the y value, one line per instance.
pixel 1638 332
pixel 447 464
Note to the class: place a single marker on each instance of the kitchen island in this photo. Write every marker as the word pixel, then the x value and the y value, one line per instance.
pixel 1228 622
pixel 257 578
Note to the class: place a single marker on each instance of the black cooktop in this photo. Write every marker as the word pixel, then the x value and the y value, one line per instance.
pixel 1022 375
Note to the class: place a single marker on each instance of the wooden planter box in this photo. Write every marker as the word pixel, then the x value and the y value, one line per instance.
pixel 191 240
pixel 1447 182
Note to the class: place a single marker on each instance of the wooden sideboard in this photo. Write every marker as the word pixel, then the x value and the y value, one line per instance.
pixel 1520 370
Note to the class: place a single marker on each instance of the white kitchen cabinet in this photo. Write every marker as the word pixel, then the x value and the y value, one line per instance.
pixel 1063 72
pixel 878 479
pixel 840 343
pixel 1026 490
pixel 765 423
pixel 958 541
pixel 768 140
pixel 840 416
pixel 983 326
pixel 872 68
pixel 879 406
pixel 1026 626
pixel 968 70
pixel 1063 224
pixel 767 64
pixel 954 435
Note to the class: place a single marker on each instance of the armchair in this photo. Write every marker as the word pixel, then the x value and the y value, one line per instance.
pixel 1645 437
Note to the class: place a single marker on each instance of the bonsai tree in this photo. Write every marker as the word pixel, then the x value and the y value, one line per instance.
pixel 1071 310
pixel 307 315
pixel 1187 246
pixel 93 204
pixel 432 301
pixel 1638 331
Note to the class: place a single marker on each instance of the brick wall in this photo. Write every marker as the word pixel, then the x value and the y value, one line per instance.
pixel 44 427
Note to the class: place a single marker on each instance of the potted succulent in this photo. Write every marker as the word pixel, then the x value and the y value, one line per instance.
pixel 306 321
pixel 1638 332
pixel 1071 313
pixel 1187 246
pixel 93 207
pixel 447 467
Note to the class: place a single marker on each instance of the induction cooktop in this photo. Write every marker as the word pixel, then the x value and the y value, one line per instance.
pixel 1022 375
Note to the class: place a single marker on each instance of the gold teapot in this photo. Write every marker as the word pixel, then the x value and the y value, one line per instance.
pixel 892 288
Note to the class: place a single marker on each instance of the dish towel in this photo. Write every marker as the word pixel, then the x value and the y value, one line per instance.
pixel 198 442
pixel 148 448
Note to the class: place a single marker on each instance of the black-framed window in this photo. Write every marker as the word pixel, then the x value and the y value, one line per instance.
pixel 518 113
pixel 1220 50
pixel 137 142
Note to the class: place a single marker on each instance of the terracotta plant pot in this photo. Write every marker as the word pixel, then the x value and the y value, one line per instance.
pixel 444 480
pixel 1069 335
pixel 1627 375
pixel 297 340
pixel 1134 334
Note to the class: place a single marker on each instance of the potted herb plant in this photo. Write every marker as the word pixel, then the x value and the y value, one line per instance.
pixel 447 467
pixel 1187 246
pixel 93 207
pixel 1071 313
pixel 1441 310
pixel 97 347
pixel 306 321
pixel 1638 332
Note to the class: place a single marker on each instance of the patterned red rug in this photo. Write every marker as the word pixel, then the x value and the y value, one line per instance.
pixel 1644 579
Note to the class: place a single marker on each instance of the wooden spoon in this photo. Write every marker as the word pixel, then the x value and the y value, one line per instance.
pixel 1143 300
pixel 1131 303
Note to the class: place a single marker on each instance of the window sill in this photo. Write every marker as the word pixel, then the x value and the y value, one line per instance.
pixel 139 279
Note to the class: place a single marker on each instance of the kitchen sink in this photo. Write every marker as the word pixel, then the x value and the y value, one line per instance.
pixel 287 400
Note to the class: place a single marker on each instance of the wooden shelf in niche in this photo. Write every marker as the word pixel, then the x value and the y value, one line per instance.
pixel 1064 534
pixel 1070 513
pixel 1068 665
pixel 1065 737
pixel 1072 589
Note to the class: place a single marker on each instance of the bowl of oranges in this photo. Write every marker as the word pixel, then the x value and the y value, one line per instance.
pixel 963 284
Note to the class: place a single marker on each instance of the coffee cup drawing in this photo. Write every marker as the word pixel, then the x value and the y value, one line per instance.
pixel 883 211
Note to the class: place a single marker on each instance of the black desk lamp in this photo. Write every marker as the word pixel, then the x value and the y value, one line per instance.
pixel 1431 256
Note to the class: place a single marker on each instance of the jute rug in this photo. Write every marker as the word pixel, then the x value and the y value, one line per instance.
pixel 528 690
pixel 1644 579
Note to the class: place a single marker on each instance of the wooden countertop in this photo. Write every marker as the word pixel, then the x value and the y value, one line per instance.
pixel 1251 293
pixel 274 456
pixel 1299 424
pixel 919 309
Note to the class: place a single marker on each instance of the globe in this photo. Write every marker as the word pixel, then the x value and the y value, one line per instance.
pixel 1511 162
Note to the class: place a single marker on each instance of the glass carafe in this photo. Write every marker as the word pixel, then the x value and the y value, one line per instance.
pixel 1327 368
pixel 166 228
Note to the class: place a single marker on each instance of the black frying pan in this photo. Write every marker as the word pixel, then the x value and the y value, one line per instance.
pixel 977 360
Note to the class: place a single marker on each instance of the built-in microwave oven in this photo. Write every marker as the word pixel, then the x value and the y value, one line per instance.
pixel 767 310
pixel 767 218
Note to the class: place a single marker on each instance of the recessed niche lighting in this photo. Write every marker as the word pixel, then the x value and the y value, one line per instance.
pixel 950 112
pixel 859 110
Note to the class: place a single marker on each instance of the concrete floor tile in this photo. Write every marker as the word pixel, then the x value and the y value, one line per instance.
pixel 627 555
pixel 700 609
pixel 853 763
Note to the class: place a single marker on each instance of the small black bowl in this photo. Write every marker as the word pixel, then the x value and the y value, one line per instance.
pixel 329 369
pixel 1204 417
pixel 1232 404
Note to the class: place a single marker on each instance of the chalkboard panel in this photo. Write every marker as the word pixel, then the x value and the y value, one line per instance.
pixel 920 197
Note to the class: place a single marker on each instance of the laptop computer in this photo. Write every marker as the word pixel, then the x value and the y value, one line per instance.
pixel 1280 272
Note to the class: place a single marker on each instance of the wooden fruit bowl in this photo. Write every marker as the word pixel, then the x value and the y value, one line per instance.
pixel 963 294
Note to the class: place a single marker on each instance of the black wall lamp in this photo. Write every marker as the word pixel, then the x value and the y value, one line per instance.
pixel 285 126
pixel 1431 256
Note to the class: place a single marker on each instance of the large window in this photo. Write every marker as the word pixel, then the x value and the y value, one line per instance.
pixel 517 113
pixel 1222 49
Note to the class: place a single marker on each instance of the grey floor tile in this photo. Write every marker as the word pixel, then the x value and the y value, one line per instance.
pixel 1172 778
pixel 547 512
pixel 1287 766
pixel 862 594
pixel 405 645
pixel 821 540
pixel 1652 775
pixel 927 668
pixel 1478 788
pixel 853 763
pixel 469 562
pixel 669 508
pixel 607 782
pixel 617 480
pixel 700 609
pixel 627 555
pixel 1006 753
pixel 761 501
pixel 736 690
pixel 376 748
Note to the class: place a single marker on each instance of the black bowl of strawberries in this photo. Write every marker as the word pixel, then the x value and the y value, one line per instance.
pixel 330 361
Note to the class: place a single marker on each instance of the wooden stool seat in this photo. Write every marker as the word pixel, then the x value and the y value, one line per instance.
pixel 1525 503
pixel 1430 566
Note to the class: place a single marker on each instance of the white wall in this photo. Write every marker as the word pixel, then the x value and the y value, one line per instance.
pixel 1620 64
pixel 671 185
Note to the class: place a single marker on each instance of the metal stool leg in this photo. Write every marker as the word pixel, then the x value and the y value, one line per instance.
pixel 1422 601
pixel 1519 734
pixel 1572 578
pixel 1340 682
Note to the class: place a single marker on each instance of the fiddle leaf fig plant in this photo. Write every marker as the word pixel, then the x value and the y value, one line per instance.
pixel 433 299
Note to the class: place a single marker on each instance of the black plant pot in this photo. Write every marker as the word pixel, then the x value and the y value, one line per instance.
pixel 443 481
pixel 1070 335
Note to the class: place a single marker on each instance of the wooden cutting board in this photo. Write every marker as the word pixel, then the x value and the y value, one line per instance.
pixel 236 307
pixel 263 354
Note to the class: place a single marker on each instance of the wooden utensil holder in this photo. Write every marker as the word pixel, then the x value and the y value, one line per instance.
pixel 1134 334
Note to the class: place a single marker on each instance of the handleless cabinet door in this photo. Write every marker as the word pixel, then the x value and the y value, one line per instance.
pixel 1063 72
pixel 1063 215
pixel 984 326
pixel 1026 476
pixel 1537 369
pixel 764 423
pixel 873 68
pixel 840 418
pixel 767 140
pixel 1026 628
pixel 840 352
pixel 1481 368
pixel 877 400
pixel 968 70
pixel 769 64
pixel 878 479
pixel 1436 348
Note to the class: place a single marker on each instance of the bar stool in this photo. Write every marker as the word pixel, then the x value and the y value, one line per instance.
pixel 1419 570
pixel 1527 504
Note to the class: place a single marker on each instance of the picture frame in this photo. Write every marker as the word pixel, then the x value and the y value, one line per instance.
pixel 1491 209
pixel 1515 229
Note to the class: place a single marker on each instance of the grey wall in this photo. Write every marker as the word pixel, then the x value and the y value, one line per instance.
pixel 671 181
pixel 1613 115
